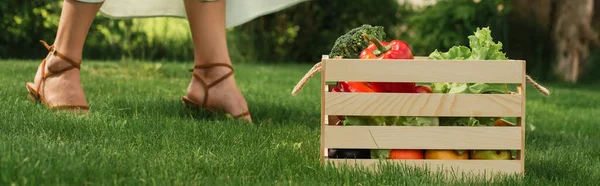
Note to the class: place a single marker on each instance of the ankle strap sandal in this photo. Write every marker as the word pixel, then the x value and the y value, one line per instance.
pixel 36 95
pixel 207 87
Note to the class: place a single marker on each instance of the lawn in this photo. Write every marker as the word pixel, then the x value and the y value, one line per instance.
pixel 139 133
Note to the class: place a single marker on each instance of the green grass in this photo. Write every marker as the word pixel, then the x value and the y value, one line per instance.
pixel 139 133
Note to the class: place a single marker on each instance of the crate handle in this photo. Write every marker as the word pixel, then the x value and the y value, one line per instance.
pixel 317 68
pixel 537 86
pixel 312 72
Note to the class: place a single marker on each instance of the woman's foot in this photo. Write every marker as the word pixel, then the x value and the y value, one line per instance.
pixel 224 95
pixel 62 90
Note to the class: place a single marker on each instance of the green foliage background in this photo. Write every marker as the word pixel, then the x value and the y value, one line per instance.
pixel 300 34
pixel 24 23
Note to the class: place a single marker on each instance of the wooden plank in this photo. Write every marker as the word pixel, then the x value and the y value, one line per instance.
pixel 324 88
pixel 521 120
pixel 485 168
pixel 395 104
pixel 420 70
pixel 331 120
pixel 423 137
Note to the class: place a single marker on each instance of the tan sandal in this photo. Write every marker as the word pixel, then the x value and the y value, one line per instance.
pixel 36 96
pixel 207 87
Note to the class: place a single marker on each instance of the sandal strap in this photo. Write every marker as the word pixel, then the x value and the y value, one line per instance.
pixel 206 85
pixel 205 66
pixel 52 50
pixel 242 114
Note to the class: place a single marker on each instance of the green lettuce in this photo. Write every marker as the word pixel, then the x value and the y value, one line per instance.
pixel 366 120
pixel 417 121
pixel 470 88
pixel 455 53
pixel 482 47
pixel 380 153
pixel 488 88
pixel 467 121
pixel 390 121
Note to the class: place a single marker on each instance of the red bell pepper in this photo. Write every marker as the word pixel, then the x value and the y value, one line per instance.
pixel 355 87
pixel 395 49
pixel 393 87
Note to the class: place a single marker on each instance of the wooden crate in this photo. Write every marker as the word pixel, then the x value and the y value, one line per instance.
pixel 441 105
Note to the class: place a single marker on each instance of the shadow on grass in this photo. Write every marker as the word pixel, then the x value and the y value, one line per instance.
pixel 263 112
pixel 270 113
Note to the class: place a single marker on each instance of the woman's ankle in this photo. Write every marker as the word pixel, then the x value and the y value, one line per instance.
pixel 72 52
pixel 54 63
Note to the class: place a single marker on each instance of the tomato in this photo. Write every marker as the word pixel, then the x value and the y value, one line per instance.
pixel 406 154
pixel 502 122
pixel 422 89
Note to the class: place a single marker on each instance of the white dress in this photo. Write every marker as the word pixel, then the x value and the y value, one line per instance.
pixel 237 11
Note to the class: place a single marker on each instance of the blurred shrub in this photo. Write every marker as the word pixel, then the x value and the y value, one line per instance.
pixel 301 33
pixel 448 23
pixel 308 30
pixel 23 24
pixel 140 39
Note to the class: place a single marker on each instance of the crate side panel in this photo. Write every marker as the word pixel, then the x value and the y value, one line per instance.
pixel 420 70
pixel 521 121
pixel 423 137
pixel 388 104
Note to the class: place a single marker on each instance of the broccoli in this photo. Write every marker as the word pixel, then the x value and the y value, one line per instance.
pixel 352 43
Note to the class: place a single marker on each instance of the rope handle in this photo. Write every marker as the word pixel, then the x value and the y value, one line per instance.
pixel 537 86
pixel 312 72
pixel 318 67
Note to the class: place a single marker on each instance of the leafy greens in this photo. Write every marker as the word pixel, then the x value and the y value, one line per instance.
pixel 482 47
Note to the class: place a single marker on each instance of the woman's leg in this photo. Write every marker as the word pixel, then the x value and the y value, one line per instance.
pixel 65 88
pixel 207 23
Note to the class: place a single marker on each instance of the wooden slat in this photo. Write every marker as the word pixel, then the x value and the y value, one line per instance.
pixel 485 168
pixel 521 120
pixel 419 70
pixel 324 89
pixel 423 137
pixel 389 104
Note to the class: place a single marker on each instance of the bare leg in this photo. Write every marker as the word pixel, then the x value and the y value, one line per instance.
pixel 207 23
pixel 65 88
